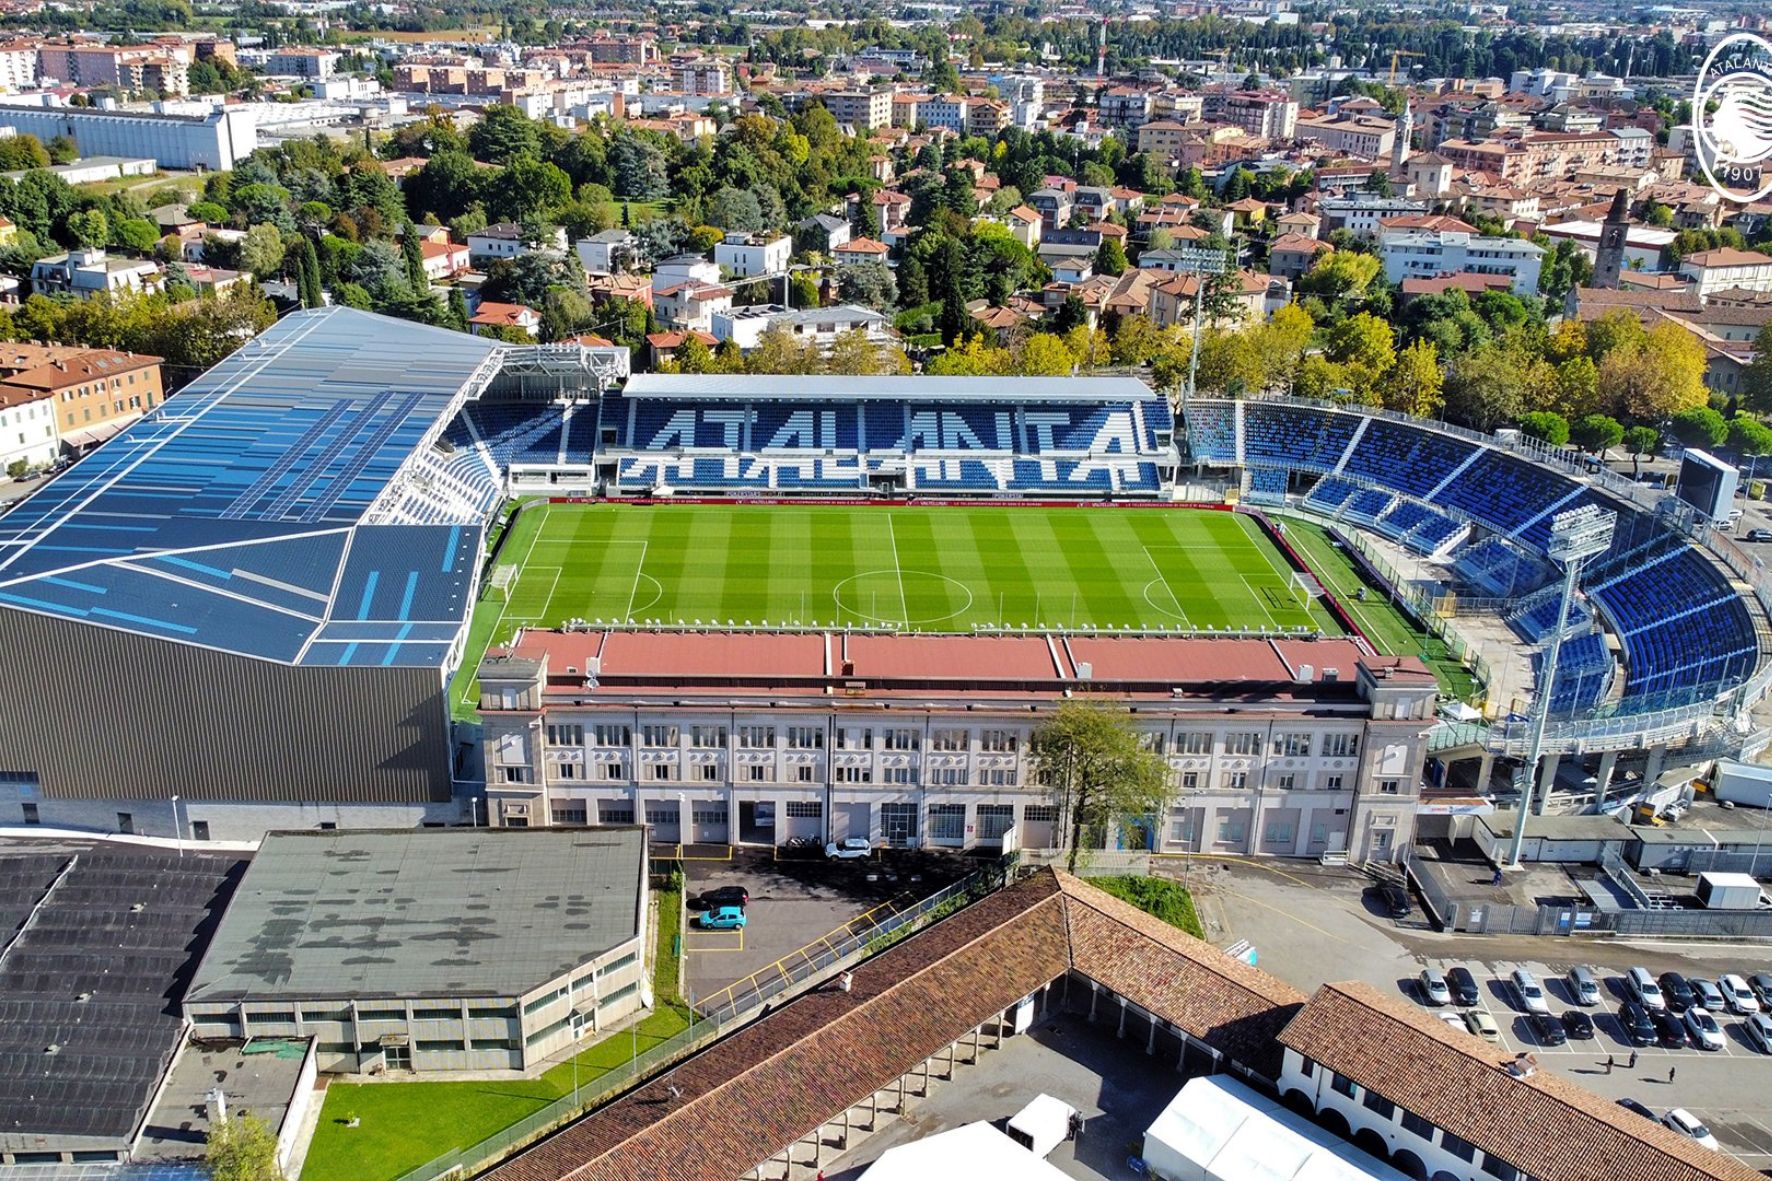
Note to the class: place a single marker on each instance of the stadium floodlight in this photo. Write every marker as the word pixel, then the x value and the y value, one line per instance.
pixel 1576 535
pixel 1202 263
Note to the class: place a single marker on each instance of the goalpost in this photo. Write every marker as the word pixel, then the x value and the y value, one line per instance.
pixel 500 582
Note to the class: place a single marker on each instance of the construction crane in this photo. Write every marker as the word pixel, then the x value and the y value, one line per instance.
pixel 1395 54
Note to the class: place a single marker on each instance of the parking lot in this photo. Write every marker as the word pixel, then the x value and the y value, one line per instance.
pixel 796 903
pixel 1312 925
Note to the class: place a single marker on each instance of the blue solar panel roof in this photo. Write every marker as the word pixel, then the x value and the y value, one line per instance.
pixel 234 516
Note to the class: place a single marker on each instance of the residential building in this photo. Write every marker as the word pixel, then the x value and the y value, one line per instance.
pixel 444 259
pixel 864 110
pixel 1425 254
pixel 824 232
pixel 1351 135
pixel 1165 139
pixel 90 271
pixel 861 250
pixel 1053 205
pixel 1268 114
pixel 690 306
pixel 27 429
pixel 708 75
pixel 663 346
pixel 491 314
pixel 1717 270
pixel 1333 767
pixel 1291 255
pixel 683 268
pixel 986 116
pixel 1025 224
pixel 1361 213
pixel 505 240
pixel 305 63
pixel 744 254
pixel 821 326
pixel 18 65
pixel 93 393
pixel 606 251
pixel 620 50
pixel 1124 107
pixel 162 68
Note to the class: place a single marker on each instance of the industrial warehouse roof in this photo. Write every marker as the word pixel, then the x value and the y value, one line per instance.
pixel 233 516
pixel 423 913
pixel 776 388
pixel 96 939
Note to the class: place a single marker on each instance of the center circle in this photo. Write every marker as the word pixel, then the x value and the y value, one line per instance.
pixel 874 594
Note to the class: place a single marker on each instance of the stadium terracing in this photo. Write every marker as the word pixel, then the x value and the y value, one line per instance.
pixel 260 591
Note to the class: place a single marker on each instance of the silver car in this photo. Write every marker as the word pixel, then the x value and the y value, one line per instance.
pixel 1582 986
pixel 1737 995
pixel 1432 985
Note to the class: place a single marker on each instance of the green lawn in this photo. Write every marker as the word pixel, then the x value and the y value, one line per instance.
pixel 940 569
pixel 403 1125
pixel 1160 897
pixel 1390 630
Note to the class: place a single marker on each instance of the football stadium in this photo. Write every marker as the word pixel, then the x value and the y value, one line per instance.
pixel 367 572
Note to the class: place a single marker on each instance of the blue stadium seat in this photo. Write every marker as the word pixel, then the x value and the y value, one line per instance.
pixel 1409 459
pixel 1310 438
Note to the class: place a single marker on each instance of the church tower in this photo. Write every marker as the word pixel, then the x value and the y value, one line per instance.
pixel 1609 257
pixel 1400 147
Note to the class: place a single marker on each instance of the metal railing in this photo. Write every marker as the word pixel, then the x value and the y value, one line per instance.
pixel 709 1023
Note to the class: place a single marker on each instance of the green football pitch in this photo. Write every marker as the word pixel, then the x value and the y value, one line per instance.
pixel 922 569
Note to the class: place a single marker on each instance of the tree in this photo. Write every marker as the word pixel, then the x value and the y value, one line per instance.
pixel 1750 436
pixel 1415 381
pixel 89 227
pixel 313 294
pixel 458 310
pixel 735 209
pixel 1756 382
pixel 868 284
pixel 1575 387
pixel 637 169
pixel 1700 427
pixel 1487 386
pixel 1097 771
pixel 412 253
pixel 1344 274
pixel 1545 425
pixel 1658 375
pixel 503 134
pixel 1044 355
pixel 261 252
pixel 1596 433
pixel 243 1148
pixel 852 353
pixel 1640 441
pixel 1110 257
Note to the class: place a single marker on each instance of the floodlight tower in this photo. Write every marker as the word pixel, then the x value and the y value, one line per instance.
pixel 1576 536
pixel 1203 264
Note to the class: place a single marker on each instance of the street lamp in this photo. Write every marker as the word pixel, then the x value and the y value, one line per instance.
pixel 178 831
pixel 1576 535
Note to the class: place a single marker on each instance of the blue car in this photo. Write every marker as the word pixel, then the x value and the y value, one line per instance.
pixel 723 918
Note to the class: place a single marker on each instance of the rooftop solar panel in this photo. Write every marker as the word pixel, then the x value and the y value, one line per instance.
pixel 233 516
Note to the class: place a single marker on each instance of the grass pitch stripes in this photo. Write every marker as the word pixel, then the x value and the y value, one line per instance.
pixel 931 569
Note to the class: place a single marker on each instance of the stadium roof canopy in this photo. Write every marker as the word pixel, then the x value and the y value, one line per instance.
pixel 716 387
pixel 238 515
pixel 423 912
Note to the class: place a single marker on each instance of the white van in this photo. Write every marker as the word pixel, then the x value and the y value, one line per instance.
pixel 1643 987
pixel 1042 1125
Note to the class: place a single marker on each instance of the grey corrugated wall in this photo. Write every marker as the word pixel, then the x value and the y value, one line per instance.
pixel 99 714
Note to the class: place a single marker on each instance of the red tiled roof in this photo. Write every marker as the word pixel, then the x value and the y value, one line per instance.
pixel 508 314
pixel 1728 256
pixel 1543 1124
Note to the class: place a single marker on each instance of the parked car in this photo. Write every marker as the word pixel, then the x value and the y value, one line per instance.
pixel 1759 1031
pixel 1529 992
pixel 1547 1029
pixel 1432 986
pixel 1707 995
pixel 1462 984
pixel 724 896
pixel 1737 995
pixel 1678 992
pixel 1643 988
pixel 1454 1020
pixel 1761 983
pixel 1479 1022
pixel 1670 1031
pixel 1630 1104
pixel 723 918
pixel 1583 988
pixel 1706 1033
pixel 1578 1025
pixel 849 848
pixel 1638 1029
pixel 1687 1124
pixel 1395 899
pixel 1759 535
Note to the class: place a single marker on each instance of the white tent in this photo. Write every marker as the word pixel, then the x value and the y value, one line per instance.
pixel 965 1154
pixel 1217 1129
